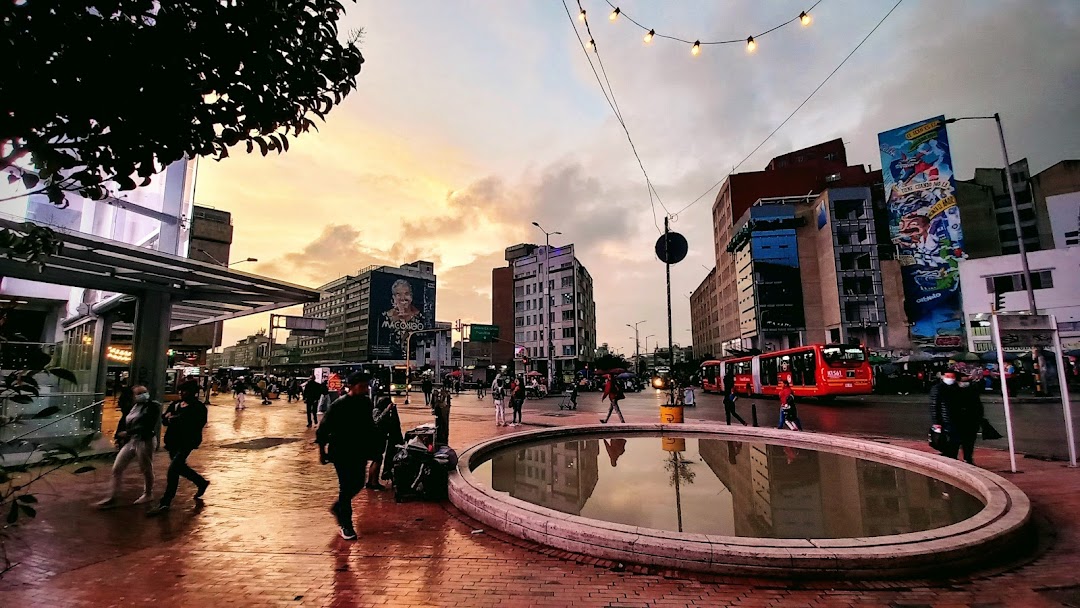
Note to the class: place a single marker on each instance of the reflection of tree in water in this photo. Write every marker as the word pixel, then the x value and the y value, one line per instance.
pixel 679 470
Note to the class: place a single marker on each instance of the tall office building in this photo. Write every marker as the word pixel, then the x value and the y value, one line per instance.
pixel 705 317
pixel 211 242
pixel 370 314
pixel 1003 223
pixel 797 174
pixel 571 308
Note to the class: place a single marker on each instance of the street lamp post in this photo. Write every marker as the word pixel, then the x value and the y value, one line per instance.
pixel 647 344
pixel 548 338
pixel 1026 268
pixel 637 347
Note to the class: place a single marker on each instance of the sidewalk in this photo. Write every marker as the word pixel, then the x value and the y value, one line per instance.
pixel 264 538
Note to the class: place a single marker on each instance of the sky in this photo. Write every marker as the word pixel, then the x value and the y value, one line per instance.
pixel 472 119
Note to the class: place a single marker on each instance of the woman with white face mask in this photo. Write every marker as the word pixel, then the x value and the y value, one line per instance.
pixel 135 436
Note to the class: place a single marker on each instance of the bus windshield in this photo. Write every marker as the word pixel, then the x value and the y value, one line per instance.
pixel 843 354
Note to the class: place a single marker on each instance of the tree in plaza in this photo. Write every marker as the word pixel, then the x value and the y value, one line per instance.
pixel 99 95
pixel 611 361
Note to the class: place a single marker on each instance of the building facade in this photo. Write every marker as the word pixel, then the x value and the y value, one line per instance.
pixel 1055 278
pixel 211 242
pixel 705 317
pixel 798 174
pixel 370 314
pixel 519 309
pixel 251 352
pixel 1029 211
pixel 1056 194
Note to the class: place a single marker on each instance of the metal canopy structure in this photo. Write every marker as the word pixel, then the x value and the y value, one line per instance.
pixel 201 293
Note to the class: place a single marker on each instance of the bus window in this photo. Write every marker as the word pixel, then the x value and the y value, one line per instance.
pixel 768 371
pixel 809 367
pixel 840 355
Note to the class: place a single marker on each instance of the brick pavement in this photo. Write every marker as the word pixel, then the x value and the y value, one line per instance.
pixel 264 538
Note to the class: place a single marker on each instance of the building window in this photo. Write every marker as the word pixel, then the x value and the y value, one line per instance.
pixel 568 332
pixel 568 281
pixel 567 298
pixel 1042 279
pixel 568 351
pixel 568 315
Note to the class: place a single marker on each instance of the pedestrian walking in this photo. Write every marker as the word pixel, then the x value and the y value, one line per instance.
pixel 498 396
pixel 345 438
pixel 262 385
pixel 427 386
pixel 517 400
pixel 613 392
pixel 313 392
pixel 239 391
pixel 729 400
pixel 480 392
pixel 135 437
pixel 689 399
pixel 956 412
pixel 184 421
pixel 573 396
pixel 789 413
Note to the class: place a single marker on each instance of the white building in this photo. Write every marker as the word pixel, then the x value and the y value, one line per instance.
pixel 569 304
pixel 1056 280
pixel 435 349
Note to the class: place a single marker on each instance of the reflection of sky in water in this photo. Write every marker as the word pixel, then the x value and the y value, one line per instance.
pixel 726 488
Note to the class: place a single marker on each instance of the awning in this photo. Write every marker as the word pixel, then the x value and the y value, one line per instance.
pixel 201 292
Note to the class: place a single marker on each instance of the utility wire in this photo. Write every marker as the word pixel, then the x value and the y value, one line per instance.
pixel 609 96
pixel 795 111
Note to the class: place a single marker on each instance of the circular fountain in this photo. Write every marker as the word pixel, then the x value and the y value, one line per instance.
pixel 740 500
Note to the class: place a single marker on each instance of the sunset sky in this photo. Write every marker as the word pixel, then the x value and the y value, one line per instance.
pixel 474 118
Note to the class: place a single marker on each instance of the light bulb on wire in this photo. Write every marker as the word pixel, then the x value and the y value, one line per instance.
pixel 592 44
pixel 581 15
pixel 648 37
pixel 696 49
pixel 804 18
pixel 750 44
pixel 614 14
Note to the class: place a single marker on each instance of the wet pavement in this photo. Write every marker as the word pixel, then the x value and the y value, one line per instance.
pixel 263 536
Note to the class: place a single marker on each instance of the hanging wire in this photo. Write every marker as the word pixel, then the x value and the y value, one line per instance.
pixel 609 95
pixel 795 111
pixel 622 13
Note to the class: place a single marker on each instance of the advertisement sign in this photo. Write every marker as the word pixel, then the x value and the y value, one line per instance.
pixel 399 305
pixel 924 224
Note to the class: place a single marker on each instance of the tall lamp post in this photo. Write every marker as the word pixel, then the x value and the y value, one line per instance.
pixel 637 347
pixel 1016 221
pixel 547 306
pixel 647 344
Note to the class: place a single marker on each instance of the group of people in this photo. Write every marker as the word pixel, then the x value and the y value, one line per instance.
pixel 514 389
pixel 136 434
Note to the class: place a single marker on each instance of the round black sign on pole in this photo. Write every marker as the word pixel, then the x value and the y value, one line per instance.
pixel 671 248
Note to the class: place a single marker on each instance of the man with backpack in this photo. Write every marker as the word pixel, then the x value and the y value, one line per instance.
pixel 613 392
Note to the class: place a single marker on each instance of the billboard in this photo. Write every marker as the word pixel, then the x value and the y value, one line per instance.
pixel 399 305
pixel 924 224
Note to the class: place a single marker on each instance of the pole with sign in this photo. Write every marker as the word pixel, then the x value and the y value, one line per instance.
pixel 995 328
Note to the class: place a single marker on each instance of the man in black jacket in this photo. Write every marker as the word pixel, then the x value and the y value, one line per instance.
pixel 313 391
pixel 184 420
pixel 945 403
pixel 346 437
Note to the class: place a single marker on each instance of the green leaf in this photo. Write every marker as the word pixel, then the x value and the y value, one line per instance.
pixel 13 513
pixel 81 470
pixel 27 498
pixel 23 399
pixel 28 511
pixel 63 374
pixel 30 180
pixel 52 410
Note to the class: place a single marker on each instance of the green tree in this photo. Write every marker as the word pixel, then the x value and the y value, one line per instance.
pixel 611 361
pixel 99 95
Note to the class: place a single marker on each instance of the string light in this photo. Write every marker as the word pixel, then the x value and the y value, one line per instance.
pixel 592 44
pixel 581 15
pixel 803 18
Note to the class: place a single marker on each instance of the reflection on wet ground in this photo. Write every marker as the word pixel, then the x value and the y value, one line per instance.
pixel 713 486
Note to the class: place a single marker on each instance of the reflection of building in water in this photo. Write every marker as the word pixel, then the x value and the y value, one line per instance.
pixel 786 493
pixel 560 476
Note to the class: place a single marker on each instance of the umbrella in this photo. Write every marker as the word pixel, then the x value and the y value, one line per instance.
pixel 991 356
pixel 916 357
pixel 966 356
pixel 876 359
pixel 456 372
pixel 617 370
pixel 534 374
pixel 625 375
pixel 889 369
pixel 1073 353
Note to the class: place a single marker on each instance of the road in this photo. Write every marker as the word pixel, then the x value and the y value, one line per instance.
pixel 1039 427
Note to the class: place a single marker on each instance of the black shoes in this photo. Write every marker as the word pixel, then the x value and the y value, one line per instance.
pixel 202 490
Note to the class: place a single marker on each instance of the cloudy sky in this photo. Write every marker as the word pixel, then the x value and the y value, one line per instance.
pixel 474 118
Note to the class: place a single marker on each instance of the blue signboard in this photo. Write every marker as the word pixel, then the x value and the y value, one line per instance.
pixel 924 224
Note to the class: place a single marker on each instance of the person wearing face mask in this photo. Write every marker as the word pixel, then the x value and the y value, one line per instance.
pixel 185 420
pixel 135 437
pixel 946 403
pixel 967 419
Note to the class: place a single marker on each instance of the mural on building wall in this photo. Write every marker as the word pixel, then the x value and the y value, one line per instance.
pixel 924 224
pixel 399 305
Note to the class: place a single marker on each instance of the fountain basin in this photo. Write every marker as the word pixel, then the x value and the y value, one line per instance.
pixel 984 514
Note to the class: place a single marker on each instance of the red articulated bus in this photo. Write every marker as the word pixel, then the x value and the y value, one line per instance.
pixel 817 370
